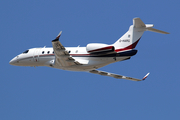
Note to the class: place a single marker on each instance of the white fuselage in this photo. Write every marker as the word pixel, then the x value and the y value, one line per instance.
pixel 89 58
pixel 45 57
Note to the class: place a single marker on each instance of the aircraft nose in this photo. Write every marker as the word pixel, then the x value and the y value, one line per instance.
pixel 14 61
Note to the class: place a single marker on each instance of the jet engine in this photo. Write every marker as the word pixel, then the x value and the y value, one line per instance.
pixel 97 48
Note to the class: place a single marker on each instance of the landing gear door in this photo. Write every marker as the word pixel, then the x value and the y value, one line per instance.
pixel 36 54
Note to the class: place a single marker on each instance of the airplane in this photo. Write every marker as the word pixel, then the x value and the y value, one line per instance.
pixel 89 58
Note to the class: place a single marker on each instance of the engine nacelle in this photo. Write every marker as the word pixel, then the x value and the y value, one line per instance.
pixel 96 48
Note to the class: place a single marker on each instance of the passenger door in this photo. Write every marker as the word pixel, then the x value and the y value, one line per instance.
pixel 36 54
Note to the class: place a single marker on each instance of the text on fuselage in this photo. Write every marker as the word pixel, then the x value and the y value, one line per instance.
pixel 126 40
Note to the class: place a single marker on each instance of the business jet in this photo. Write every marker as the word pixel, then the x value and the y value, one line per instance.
pixel 89 58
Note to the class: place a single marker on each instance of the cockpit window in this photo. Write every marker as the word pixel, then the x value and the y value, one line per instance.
pixel 26 51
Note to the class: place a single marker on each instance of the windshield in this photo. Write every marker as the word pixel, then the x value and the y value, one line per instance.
pixel 26 51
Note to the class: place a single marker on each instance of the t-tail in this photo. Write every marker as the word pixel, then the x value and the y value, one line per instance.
pixel 130 39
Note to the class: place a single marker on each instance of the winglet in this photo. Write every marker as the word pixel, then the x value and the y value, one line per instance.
pixel 57 38
pixel 145 76
pixel 59 35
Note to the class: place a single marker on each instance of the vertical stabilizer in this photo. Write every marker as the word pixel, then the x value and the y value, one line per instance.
pixel 130 39
pixel 138 23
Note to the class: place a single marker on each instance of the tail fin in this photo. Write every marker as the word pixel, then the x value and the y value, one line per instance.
pixel 130 39
pixel 138 23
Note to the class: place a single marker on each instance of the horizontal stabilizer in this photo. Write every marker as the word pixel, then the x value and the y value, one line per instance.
pixel 156 30
pixel 140 26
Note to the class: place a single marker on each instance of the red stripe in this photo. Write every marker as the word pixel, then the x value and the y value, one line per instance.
pixel 128 47
pixel 109 47
pixel 79 55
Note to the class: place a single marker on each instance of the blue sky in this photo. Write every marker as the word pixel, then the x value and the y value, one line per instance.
pixel 44 93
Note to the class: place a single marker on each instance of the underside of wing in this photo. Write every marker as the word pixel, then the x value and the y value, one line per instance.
pixel 116 75
pixel 63 57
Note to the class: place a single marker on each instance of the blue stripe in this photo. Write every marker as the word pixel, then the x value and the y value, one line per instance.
pixel 120 54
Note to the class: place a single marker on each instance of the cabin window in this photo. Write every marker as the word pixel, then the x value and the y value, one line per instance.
pixel 25 51
pixel 42 52
pixel 53 52
pixel 69 51
pixel 48 52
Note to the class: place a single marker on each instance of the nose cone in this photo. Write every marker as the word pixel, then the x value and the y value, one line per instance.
pixel 14 61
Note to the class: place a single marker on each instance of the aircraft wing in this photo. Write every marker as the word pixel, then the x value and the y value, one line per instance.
pixel 63 57
pixel 116 75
